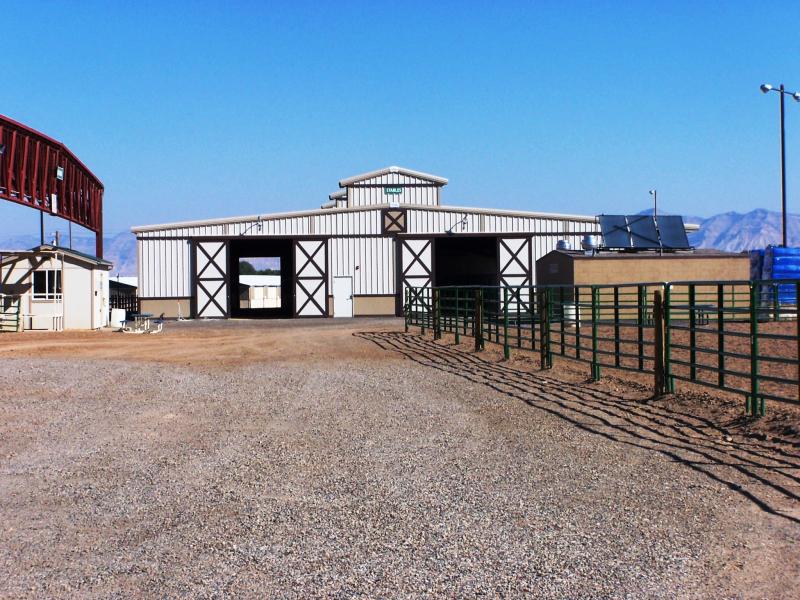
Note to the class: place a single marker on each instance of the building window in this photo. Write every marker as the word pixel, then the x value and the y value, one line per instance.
pixel 47 285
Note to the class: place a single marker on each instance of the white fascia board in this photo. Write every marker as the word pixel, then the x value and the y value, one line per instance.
pixel 327 211
pixel 387 170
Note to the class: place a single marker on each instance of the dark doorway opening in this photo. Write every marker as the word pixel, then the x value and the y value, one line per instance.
pixel 466 261
pixel 261 278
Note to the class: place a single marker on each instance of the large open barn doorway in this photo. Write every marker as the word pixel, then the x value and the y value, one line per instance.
pixel 261 278
pixel 468 260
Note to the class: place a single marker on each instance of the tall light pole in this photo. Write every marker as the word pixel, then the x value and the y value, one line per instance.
pixel 765 88
pixel 654 194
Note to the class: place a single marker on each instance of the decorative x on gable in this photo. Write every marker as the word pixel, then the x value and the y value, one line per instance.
pixel 394 220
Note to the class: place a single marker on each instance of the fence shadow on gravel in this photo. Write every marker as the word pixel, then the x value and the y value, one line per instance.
pixel 761 473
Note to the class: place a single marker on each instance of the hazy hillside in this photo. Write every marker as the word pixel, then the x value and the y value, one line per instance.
pixel 120 249
pixel 734 232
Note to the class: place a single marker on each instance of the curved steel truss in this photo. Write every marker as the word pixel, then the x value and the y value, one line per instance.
pixel 40 172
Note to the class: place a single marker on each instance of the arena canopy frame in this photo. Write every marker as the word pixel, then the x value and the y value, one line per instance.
pixel 40 172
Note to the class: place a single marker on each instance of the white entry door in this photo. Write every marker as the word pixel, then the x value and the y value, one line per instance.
pixel 342 296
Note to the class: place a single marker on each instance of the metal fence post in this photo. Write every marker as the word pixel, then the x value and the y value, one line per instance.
pixel 776 304
pixel 641 300
pixel 595 319
pixel 532 313
pixel 669 380
pixel 478 319
pixel 457 333
pixel 720 335
pixel 752 404
pixel 407 309
pixel 692 333
pixel 423 321
pixel 658 353
pixel 519 323
pixel 497 319
pixel 437 313
pixel 617 357
pixel 561 318
pixel 577 322
pixel 506 349
pixel 545 355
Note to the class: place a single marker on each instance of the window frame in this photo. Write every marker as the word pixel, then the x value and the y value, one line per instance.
pixel 53 285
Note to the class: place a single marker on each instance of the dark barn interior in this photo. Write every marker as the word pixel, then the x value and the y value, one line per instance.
pixel 263 247
pixel 466 260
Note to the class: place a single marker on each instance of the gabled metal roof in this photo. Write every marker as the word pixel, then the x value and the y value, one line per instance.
pixel 386 170
pixel 372 207
pixel 50 248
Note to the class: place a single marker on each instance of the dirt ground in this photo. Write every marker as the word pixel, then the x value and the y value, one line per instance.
pixel 346 458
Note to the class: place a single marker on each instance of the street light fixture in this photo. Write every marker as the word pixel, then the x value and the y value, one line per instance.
pixel 766 88
pixel 654 194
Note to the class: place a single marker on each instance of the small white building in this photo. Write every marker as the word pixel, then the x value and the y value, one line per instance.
pixel 57 288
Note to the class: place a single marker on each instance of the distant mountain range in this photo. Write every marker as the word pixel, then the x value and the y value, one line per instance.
pixel 120 249
pixel 731 232
pixel 735 232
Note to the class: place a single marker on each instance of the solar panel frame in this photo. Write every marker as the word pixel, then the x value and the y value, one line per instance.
pixel 644 234
pixel 614 229
pixel 673 233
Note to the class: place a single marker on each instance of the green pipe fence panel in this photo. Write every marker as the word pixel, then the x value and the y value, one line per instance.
pixel 10 313
pixel 738 336
pixel 735 336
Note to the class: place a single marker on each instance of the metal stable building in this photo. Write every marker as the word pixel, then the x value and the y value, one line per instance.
pixel 381 232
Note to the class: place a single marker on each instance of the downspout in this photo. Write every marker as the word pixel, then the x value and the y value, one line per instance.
pixel 63 283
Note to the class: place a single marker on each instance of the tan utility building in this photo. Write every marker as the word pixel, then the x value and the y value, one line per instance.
pixel 54 288
pixel 570 267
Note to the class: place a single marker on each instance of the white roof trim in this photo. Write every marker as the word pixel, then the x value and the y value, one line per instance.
pixel 327 211
pixel 55 250
pixel 337 194
pixel 387 170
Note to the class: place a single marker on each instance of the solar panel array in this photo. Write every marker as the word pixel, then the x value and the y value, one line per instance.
pixel 643 232
pixel 615 231
pixel 673 233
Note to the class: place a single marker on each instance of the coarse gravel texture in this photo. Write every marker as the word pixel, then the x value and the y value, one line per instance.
pixel 381 470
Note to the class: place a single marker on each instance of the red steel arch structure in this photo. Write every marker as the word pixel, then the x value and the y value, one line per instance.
pixel 40 172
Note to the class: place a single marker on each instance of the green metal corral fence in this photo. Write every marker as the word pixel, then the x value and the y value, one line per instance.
pixel 738 336
pixel 9 313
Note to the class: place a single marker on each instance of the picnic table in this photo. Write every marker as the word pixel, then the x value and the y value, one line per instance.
pixel 141 323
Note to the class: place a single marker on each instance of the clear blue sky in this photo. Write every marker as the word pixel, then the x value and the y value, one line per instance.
pixel 196 110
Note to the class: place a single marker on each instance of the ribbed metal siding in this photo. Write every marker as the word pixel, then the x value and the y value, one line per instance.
pixel 374 258
pixel 164 265
pixel 163 268
pixel 370 191
pixel 429 221
pixel 366 222
pixel 286 226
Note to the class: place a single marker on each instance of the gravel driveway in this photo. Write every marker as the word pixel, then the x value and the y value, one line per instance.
pixel 359 474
